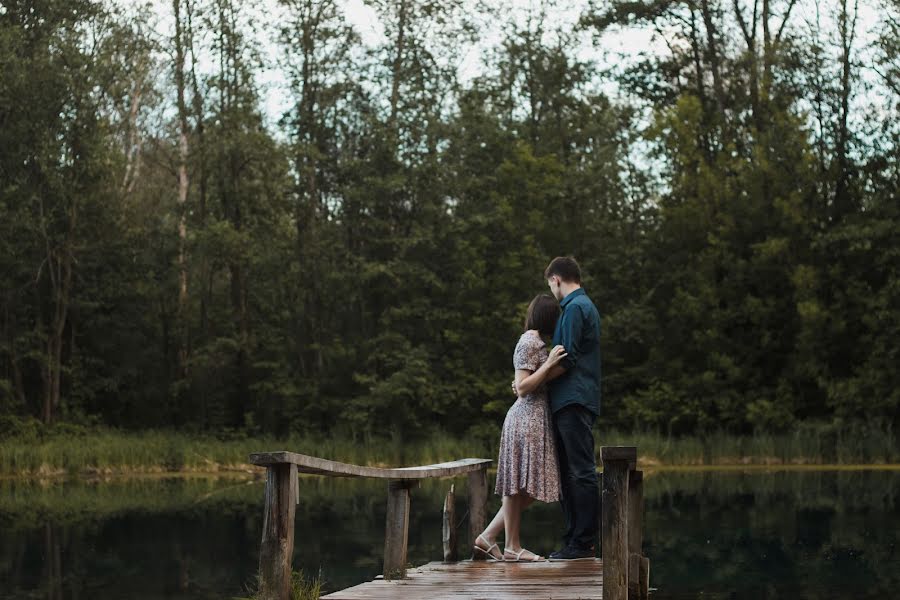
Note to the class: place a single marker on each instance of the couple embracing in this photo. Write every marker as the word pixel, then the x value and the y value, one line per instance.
pixel 547 447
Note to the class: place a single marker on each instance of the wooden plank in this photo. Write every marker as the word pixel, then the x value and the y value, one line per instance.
pixel 396 529
pixel 635 511
pixel 451 553
pixel 614 520
pixel 644 578
pixel 635 529
pixel 465 580
pixel 477 505
pixel 634 568
pixel 321 466
pixel 626 453
pixel 277 547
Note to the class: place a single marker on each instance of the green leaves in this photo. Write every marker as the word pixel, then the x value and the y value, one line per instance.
pixel 364 264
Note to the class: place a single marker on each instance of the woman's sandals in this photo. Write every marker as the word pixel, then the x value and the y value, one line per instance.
pixel 488 552
pixel 517 556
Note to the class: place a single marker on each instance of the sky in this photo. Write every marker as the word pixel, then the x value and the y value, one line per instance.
pixel 614 49
pixel 365 20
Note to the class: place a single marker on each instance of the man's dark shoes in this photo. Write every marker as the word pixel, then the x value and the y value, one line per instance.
pixel 572 553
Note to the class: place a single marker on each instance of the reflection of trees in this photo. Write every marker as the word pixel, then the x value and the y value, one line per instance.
pixel 47 547
pixel 774 535
pixel 52 563
pixel 742 535
pixel 190 538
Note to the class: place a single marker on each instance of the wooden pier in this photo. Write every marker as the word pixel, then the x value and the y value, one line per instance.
pixel 623 573
pixel 470 580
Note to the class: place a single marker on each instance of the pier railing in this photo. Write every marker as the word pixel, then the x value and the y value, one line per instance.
pixel 282 496
pixel 625 569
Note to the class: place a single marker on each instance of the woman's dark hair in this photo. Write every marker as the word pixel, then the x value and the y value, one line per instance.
pixel 542 314
pixel 565 268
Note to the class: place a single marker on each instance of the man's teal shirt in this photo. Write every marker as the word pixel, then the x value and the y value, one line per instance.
pixel 578 330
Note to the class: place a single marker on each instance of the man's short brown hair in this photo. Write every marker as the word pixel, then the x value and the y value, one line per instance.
pixel 565 268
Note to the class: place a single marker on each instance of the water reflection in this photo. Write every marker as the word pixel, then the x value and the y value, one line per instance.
pixel 710 534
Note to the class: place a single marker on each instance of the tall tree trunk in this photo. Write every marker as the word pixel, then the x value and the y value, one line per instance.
pixel 749 33
pixel 308 169
pixel 847 33
pixel 15 370
pixel 183 185
pixel 701 89
pixel 203 270
pixel 767 55
pixel 398 65
pixel 133 145
pixel 712 53
pixel 59 268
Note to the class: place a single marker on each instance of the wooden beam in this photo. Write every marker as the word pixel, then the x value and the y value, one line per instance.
pixel 644 578
pixel 320 466
pixel 277 547
pixel 634 567
pixel 477 505
pixel 635 511
pixel 451 553
pixel 627 453
pixel 617 461
pixel 635 530
pixel 396 529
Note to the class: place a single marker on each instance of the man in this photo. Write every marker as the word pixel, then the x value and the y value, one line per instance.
pixel 575 404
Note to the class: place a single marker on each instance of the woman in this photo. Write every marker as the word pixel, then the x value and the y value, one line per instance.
pixel 527 469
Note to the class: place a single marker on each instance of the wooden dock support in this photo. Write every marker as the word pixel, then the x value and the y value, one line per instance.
pixel 638 564
pixel 277 547
pixel 617 462
pixel 451 552
pixel 396 528
pixel 477 505
pixel 623 565
pixel 282 493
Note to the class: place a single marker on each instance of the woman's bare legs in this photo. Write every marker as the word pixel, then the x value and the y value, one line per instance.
pixel 514 505
pixel 491 532
pixel 509 518
pixel 494 528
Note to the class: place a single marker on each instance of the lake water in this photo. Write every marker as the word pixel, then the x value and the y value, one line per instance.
pixel 711 534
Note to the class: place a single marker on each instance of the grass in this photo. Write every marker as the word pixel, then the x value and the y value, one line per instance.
pixel 110 452
pixel 302 588
pixel 99 452
pixel 812 444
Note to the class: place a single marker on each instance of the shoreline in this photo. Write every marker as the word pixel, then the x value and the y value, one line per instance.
pixel 251 473
pixel 98 454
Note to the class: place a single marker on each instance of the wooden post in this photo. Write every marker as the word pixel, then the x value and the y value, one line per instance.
pixel 644 578
pixel 477 505
pixel 396 529
pixel 617 461
pixel 450 546
pixel 635 529
pixel 278 532
pixel 635 511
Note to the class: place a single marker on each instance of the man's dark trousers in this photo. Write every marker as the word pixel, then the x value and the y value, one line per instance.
pixel 578 473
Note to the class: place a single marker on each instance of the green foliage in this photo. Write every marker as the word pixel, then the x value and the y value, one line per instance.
pixel 302 588
pixel 62 451
pixel 28 449
pixel 360 268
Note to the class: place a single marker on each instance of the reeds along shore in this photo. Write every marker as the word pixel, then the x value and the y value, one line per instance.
pixel 302 587
pixel 74 451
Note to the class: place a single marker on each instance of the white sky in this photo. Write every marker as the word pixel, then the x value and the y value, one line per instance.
pixel 617 47
pixel 365 21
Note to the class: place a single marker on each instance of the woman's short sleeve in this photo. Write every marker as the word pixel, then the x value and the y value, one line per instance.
pixel 527 354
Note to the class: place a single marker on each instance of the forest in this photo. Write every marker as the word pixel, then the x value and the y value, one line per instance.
pixel 174 256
